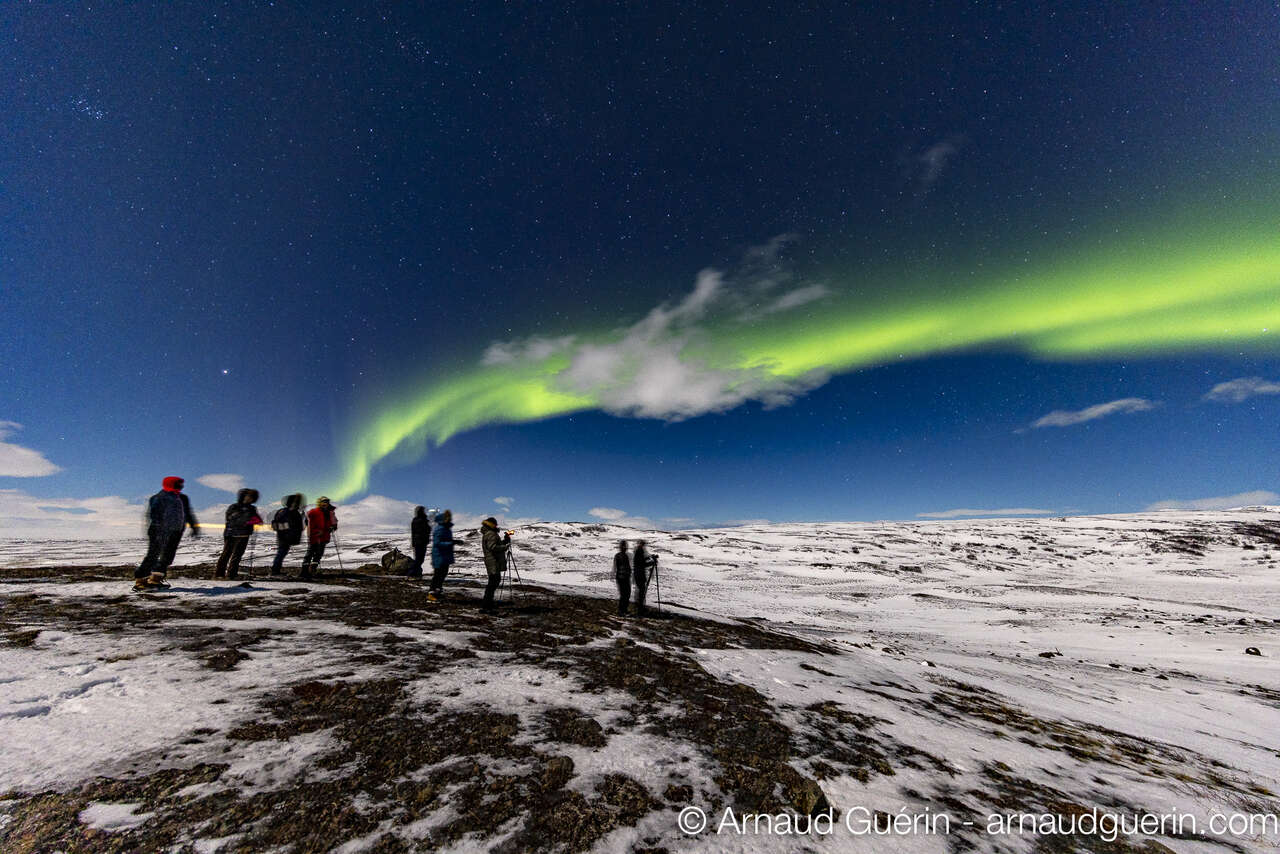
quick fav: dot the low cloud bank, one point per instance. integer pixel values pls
(961, 513)
(1221, 502)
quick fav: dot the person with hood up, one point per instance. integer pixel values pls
(622, 575)
(168, 512)
(495, 558)
(441, 553)
(287, 523)
(640, 575)
(321, 523)
(241, 517)
(420, 536)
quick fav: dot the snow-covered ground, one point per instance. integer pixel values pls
(1100, 656)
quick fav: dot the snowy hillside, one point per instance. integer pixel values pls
(966, 669)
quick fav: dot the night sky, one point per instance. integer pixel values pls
(646, 261)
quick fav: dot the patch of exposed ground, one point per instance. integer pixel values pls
(401, 762)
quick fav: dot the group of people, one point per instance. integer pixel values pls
(440, 540)
(633, 570)
(169, 514)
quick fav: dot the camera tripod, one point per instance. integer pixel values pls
(654, 578)
(513, 567)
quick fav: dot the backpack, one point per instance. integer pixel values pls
(281, 521)
(396, 562)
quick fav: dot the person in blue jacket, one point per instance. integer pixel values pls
(168, 513)
(441, 553)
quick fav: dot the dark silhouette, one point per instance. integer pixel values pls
(420, 536)
(495, 558)
(287, 523)
(241, 517)
(622, 574)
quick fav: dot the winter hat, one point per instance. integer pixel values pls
(173, 484)
(491, 522)
(444, 516)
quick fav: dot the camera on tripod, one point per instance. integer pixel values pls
(651, 575)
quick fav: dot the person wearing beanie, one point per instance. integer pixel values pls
(321, 523)
(495, 558)
(168, 512)
(241, 519)
(441, 553)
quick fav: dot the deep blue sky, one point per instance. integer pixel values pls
(227, 230)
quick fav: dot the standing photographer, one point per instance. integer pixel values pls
(495, 558)
(640, 564)
(622, 575)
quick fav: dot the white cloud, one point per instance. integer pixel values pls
(504, 501)
(659, 367)
(1222, 502)
(1067, 418)
(533, 349)
(1238, 391)
(614, 516)
(105, 517)
(376, 513)
(650, 371)
(609, 513)
(17, 461)
(962, 513)
(224, 482)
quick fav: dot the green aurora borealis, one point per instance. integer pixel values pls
(1212, 285)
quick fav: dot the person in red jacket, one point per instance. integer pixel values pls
(321, 523)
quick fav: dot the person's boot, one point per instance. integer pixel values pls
(140, 584)
(156, 581)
